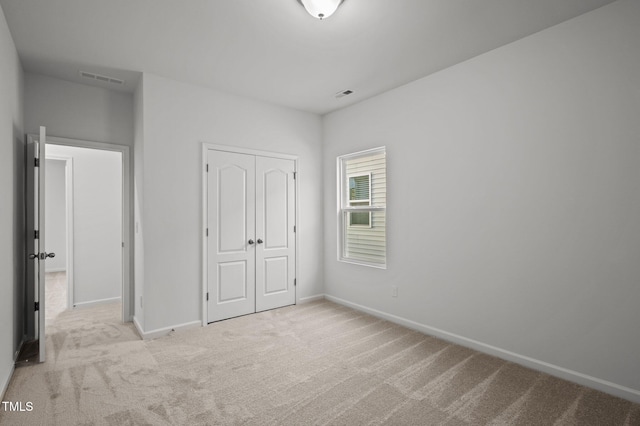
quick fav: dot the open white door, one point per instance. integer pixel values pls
(35, 187)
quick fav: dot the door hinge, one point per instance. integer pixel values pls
(36, 306)
(207, 232)
(36, 235)
(207, 168)
(294, 228)
(294, 175)
(295, 282)
(207, 296)
(37, 162)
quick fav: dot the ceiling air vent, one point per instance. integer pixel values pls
(343, 93)
(103, 78)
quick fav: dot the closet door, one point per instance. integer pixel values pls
(231, 248)
(275, 227)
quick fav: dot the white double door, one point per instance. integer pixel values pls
(251, 234)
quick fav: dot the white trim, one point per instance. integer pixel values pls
(138, 327)
(5, 385)
(82, 305)
(310, 299)
(161, 332)
(52, 270)
(205, 255)
(127, 213)
(205, 252)
(344, 205)
(249, 151)
(554, 370)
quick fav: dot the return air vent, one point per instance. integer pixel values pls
(103, 78)
(343, 93)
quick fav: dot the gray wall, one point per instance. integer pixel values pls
(12, 247)
(138, 185)
(523, 166)
(77, 111)
(55, 215)
(178, 117)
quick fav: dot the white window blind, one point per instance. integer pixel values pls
(362, 180)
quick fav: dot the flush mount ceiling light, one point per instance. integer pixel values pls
(321, 9)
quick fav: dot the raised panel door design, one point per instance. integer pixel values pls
(275, 257)
(231, 222)
(251, 234)
(232, 209)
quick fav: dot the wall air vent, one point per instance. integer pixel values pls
(103, 78)
(343, 93)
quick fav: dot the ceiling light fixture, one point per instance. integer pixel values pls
(320, 9)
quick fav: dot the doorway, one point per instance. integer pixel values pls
(84, 217)
(88, 291)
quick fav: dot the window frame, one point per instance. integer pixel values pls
(344, 207)
(352, 202)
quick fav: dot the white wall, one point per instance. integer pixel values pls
(12, 247)
(513, 198)
(97, 223)
(77, 111)
(55, 215)
(138, 201)
(177, 119)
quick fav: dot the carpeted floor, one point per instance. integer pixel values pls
(317, 363)
(56, 300)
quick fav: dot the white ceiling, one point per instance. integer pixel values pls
(272, 50)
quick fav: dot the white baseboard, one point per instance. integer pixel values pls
(553, 370)
(309, 299)
(55, 270)
(138, 327)
(160, 332)
(5, 384)
(81, 305)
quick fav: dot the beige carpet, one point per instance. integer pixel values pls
(56, 295)
(317, 363)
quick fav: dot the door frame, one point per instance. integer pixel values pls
(68, 188)
(127, 203)
(206, 147)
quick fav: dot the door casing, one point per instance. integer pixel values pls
(232, 149)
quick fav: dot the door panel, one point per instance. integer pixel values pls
(232, 208)
(41, 231)
(275, 221)
(232, 277)
(231, 224)
(275, 209)
(35, 187)
(276, 275)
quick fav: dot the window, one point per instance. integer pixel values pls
(362, 181)
(360, 195)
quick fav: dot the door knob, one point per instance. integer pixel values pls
(251, 242)
(260, 241)
(41, 256)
